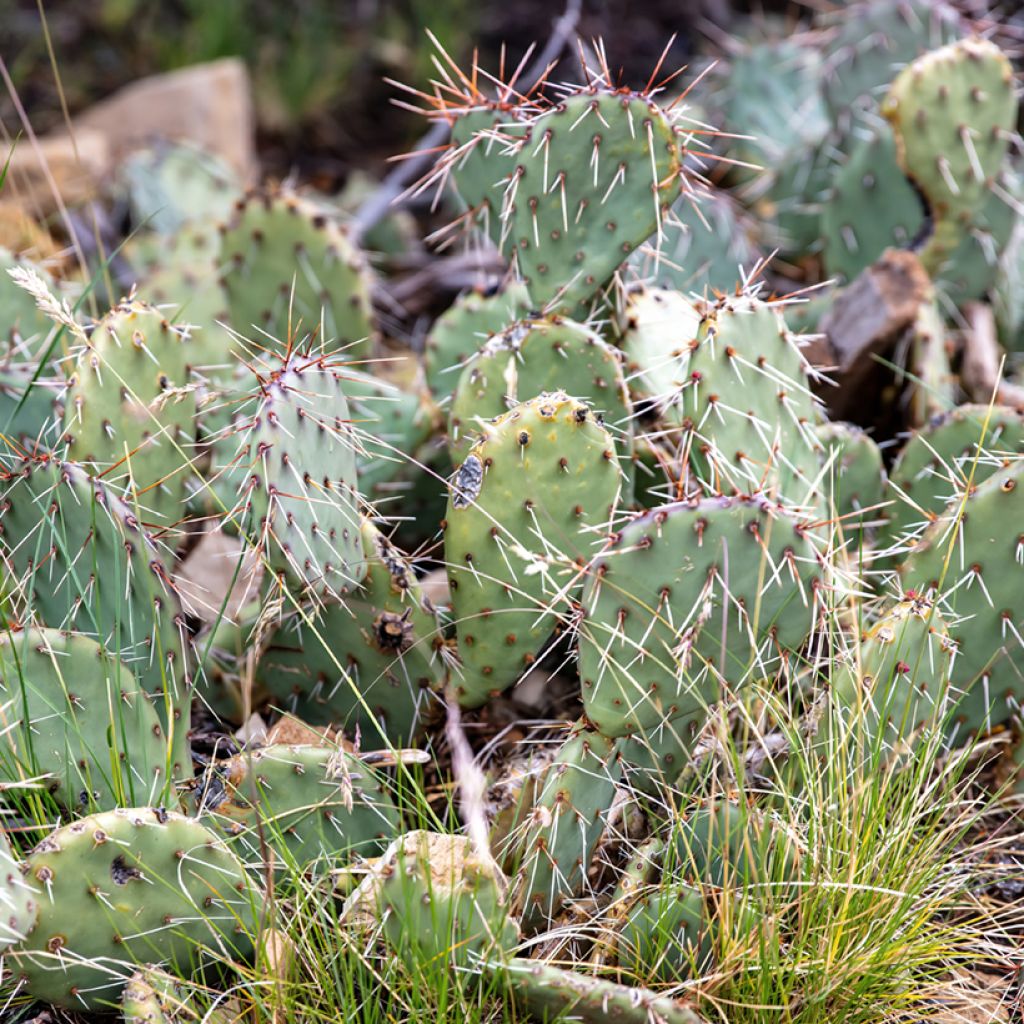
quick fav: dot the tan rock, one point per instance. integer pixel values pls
(209, 104)
(57, 165)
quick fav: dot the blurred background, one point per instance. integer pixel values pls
(319, 67)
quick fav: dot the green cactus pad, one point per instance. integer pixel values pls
(732, 580)
(724, 843)
(142, 885)
(309, 804)
(171, 185)
(870, 207)
(666, 935)
(480, 160)
(76, 714)
(707, 247)
(441, 899)
(27, 418)
(747, 407)
(953, 112)
(895, 680)
(151, 996)
(549, 992)
(128, 412)
(593, 178)
(873, 40)
(773, 105)
(25, 331)
(526, 509)
(76, 559)
(854, 482)
(368, 665)
(462, 328)
(274, 241)
(972, 442)
(973, 558)
(391, 424)
(532, 357)
(19, 901)
(295, 473)
(558, 840)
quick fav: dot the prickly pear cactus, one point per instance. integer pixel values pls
(746, 409)
(854, 482)
(895, 681)
(463, 328)
(142, 885)
(392, 423)
(658, 328)
(706, 246)
(725, 843)
(592, 179)
(935, 466)
(369, 665)
(559, 838)
(527, 507)
(666, 935)
(549, 991)
(953, 112)
(872, 41)
(19, 901)
(25, 331)
(870, 206)
(479, 159)
(173, 184)
(77, 715)
(295, 473)
(150, 997)
(76, 558)
(442, 899)
(290, 271)
(531, 357)
(685, 595)
(129, 413)
(308, 804)
(971, 560)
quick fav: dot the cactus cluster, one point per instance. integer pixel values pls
(619, 465)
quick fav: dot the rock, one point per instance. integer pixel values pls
(208, 104)
(57, 166)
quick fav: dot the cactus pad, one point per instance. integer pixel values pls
(140, 884)
(731, 580)
(76, 714)
(527, 507)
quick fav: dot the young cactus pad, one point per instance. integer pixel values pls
(526, 508)
(953, 112)
(895, 680)
(747, 409)
(730, 580)
(532, 357)
(143, 885)
(19, 901)
(558, 840)
(442, 899)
